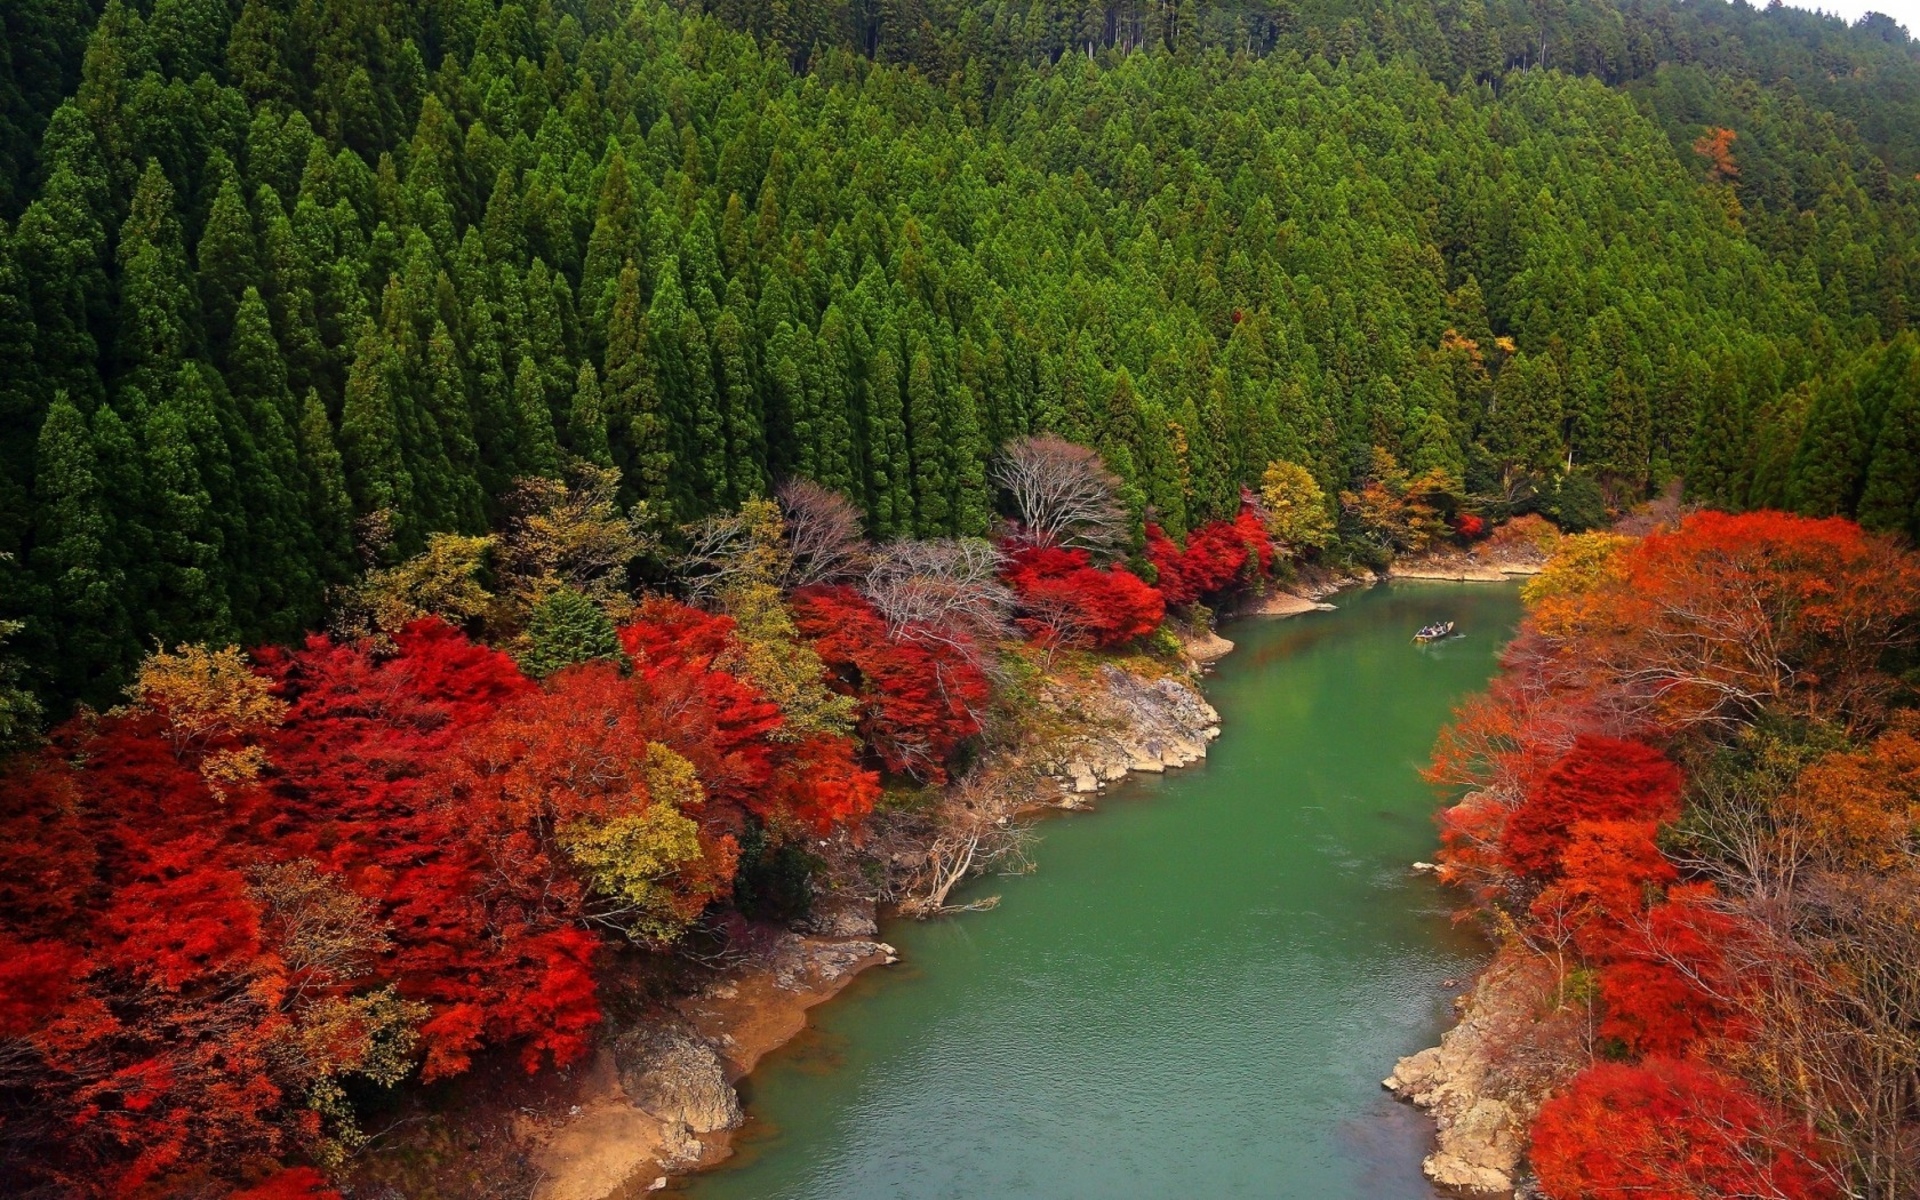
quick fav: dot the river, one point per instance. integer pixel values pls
(1199, 991)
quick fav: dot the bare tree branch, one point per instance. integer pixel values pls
(1064, 493)
(825, 535)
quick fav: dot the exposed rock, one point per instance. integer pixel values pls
(842, 917)
(800, 964)
(1483, 1082)
(676, 1078)
(1205, 646)
(1134, 724)
(1285, 604)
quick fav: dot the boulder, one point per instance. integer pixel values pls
(676, 1078)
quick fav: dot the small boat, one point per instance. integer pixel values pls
(1434, 632)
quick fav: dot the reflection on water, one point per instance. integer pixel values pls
(1199, 991)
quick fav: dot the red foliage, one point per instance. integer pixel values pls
(1711, 620)
(301, 1183)
(1600, 779)
(1065, 600)
(1667, 985)
(1217, 557)
(1702, 625)
(1469, 527)
(1670, 1130)
(920, 696)
(150, 986)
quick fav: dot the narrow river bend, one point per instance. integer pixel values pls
(1200, 990)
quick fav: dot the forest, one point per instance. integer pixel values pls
(480, 480)
(1691, 793)
(295, 286)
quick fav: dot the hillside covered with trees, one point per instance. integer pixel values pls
(291, 287)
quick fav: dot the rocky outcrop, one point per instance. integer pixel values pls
(676, 1078)
(802, 964)
(1131, 724)
(1485, 1080)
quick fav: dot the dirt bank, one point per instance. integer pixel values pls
(659, 1099)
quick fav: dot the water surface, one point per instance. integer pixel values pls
(1201, 988)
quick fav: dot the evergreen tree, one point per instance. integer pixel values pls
(1891, 499)
(539, 449)
(228, 260)
(587, 420)
(632, 397)
(189, 597)
(567, 628)
(329, 507)
(1831, 462)
(1717, 468)
(377, 475)
(86, 595)
(927, 439)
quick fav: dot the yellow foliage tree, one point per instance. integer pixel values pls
(1296, 507)
(630, 856)
(441, 581)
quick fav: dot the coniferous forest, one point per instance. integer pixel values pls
(271, 269)
(402, 344)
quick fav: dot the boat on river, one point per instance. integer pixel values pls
(1434, 632)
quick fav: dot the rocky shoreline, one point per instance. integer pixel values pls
(1488, 1076)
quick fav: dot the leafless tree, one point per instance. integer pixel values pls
(976, 828)
(945, 590)
(825, 536)
(1064, 494)
(719, 553)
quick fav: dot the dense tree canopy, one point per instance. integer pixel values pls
(293, 287)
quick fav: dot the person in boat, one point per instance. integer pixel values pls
(1434, 632)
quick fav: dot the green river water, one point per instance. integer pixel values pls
(1198, 992)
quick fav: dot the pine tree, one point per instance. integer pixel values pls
(156, 327)
(1523, 431)
(377, 475)
(567, 628)
(228, 261)
(1717, 472)
(1891, 499)
(889, 470)
(539, 450)
(587, 420)
(927, 441)
(632, 397)
(282, 547)
(446, 401)
(705, 431)
(329, 507)
(1831, 462)
(746, 444)
(71, 554)
(189, 600)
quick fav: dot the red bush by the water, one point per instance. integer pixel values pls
(920, 695)
(1065, 600)
(1218, 555)
(181, 961)
(1665, 1129)
(1600, 778)
(1469, 527)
